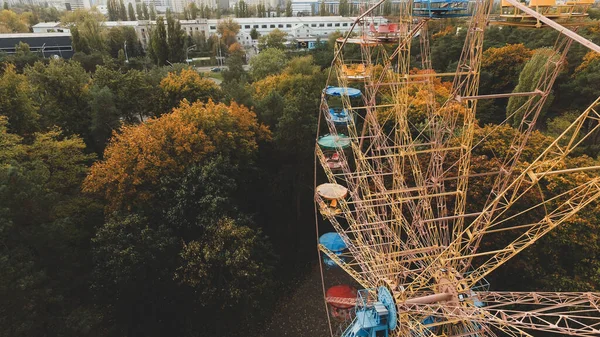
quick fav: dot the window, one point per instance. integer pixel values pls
(313, 24)
(345, 25)
(288, 26)
(329, 25)
(337, 24)
(142, 30)
(255, 26)
(196, 28)
(321, 25)
(213, 27)
(263, 26)
(247, 27)
(272, 26)
(279, 26)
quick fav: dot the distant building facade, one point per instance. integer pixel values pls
(47, 44)
(311, 27)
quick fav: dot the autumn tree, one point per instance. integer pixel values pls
(11, 22)
(504, 64)
(187, 85)
(16, 102)
(500, 70)
(140, 155)
(227, 30)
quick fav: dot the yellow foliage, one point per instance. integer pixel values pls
(588, 58)
(506, 55)
(188, 85)
(138, 156)
(447, 30)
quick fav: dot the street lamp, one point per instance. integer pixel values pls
(187, 59)
(125, 48)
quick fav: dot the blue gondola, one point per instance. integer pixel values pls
(340, 116)
(332, 241)
(441, 8)
(342, 91)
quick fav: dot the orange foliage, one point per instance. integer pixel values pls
(188, 85)
(588, 58)
(509, 54)
(140, 155)
(447, 30)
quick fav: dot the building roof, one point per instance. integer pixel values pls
(120, 23)
(32, 35)
(293, 19)
(46, 25)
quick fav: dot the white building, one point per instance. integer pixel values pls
(295, 27)
(50, 27)
(307, 26)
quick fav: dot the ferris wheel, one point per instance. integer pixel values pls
(401, 174)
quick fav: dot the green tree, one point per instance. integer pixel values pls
(193, 11)
(288, 8)
(44, 255)
(61, 91)
(152, 12)
(87, 27)
(175, 39)
(235, 66)
(322, 8)
(16, 102)
(131, 12)
(532, 72)
(138, 11)
(387, 8)
(5, 6)
(159, 48)
(122, 11)
(145, 11)
(105, 116)
(254, 34)
(113, 10)
(275, 39)
(343, 9)
(269, 61)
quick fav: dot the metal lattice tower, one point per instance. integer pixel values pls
(398, 159)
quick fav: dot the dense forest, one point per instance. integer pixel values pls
(138, 199)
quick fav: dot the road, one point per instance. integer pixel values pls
(207, 69)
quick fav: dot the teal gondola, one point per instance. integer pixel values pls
(441, 8)
(334, 142)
